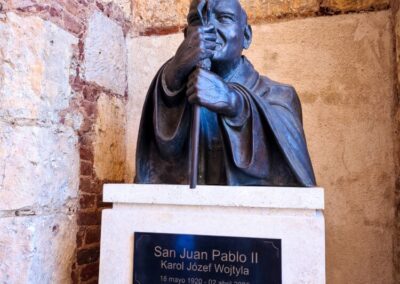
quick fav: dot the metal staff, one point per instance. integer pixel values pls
(203, 11)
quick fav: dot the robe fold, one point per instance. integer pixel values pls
(262, 145)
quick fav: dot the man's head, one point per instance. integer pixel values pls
(230, 21)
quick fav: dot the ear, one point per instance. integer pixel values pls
(248, 36)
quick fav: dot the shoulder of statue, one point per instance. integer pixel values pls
(280, 94)
(276, 89)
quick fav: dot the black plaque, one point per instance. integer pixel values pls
(190, 259)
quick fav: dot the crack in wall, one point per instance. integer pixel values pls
(41, 210)
(21, 122)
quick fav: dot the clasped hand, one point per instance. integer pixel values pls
(207, 89)
(204, 88)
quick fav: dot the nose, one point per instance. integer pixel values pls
(212, 20)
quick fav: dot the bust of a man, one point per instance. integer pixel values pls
(251, 130)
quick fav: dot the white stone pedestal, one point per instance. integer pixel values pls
(294, 215)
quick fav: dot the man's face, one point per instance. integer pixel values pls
(227, 18)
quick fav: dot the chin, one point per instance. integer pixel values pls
(220, 58)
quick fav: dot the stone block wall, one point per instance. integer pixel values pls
(63, 90)
(39, 160)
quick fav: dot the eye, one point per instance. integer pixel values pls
(226, 18)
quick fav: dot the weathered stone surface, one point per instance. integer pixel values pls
(342, 69)
(105, 54)
(38, 166)
(109, 145)
(38, 249)
(263, 10)
(124, 5)
(35, 57)
(354, 5)
(146, 14)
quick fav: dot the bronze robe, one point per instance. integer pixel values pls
(263, 145)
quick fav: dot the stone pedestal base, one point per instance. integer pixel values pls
(293, 215)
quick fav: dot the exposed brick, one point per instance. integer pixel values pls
(90, 271)
(91, 281)
(150, 31)
(89, 108)
(80, 236)
(81, 55)
(90, 93)
(92, 235)
(89, 218)
(72, 24)
(86, 256)
(100, 6)
(86, 125)
(86, 140)
(73, 7)
(90, 186)
(97, 186)
(86, 168)
(76, 82)
(86, 153)
(87, 201)
(85, 184)
(50, 10)
(54, 12)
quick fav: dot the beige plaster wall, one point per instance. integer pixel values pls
(342, 67)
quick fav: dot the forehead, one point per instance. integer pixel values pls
(232, 6)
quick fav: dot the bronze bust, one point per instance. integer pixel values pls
(250, 127)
